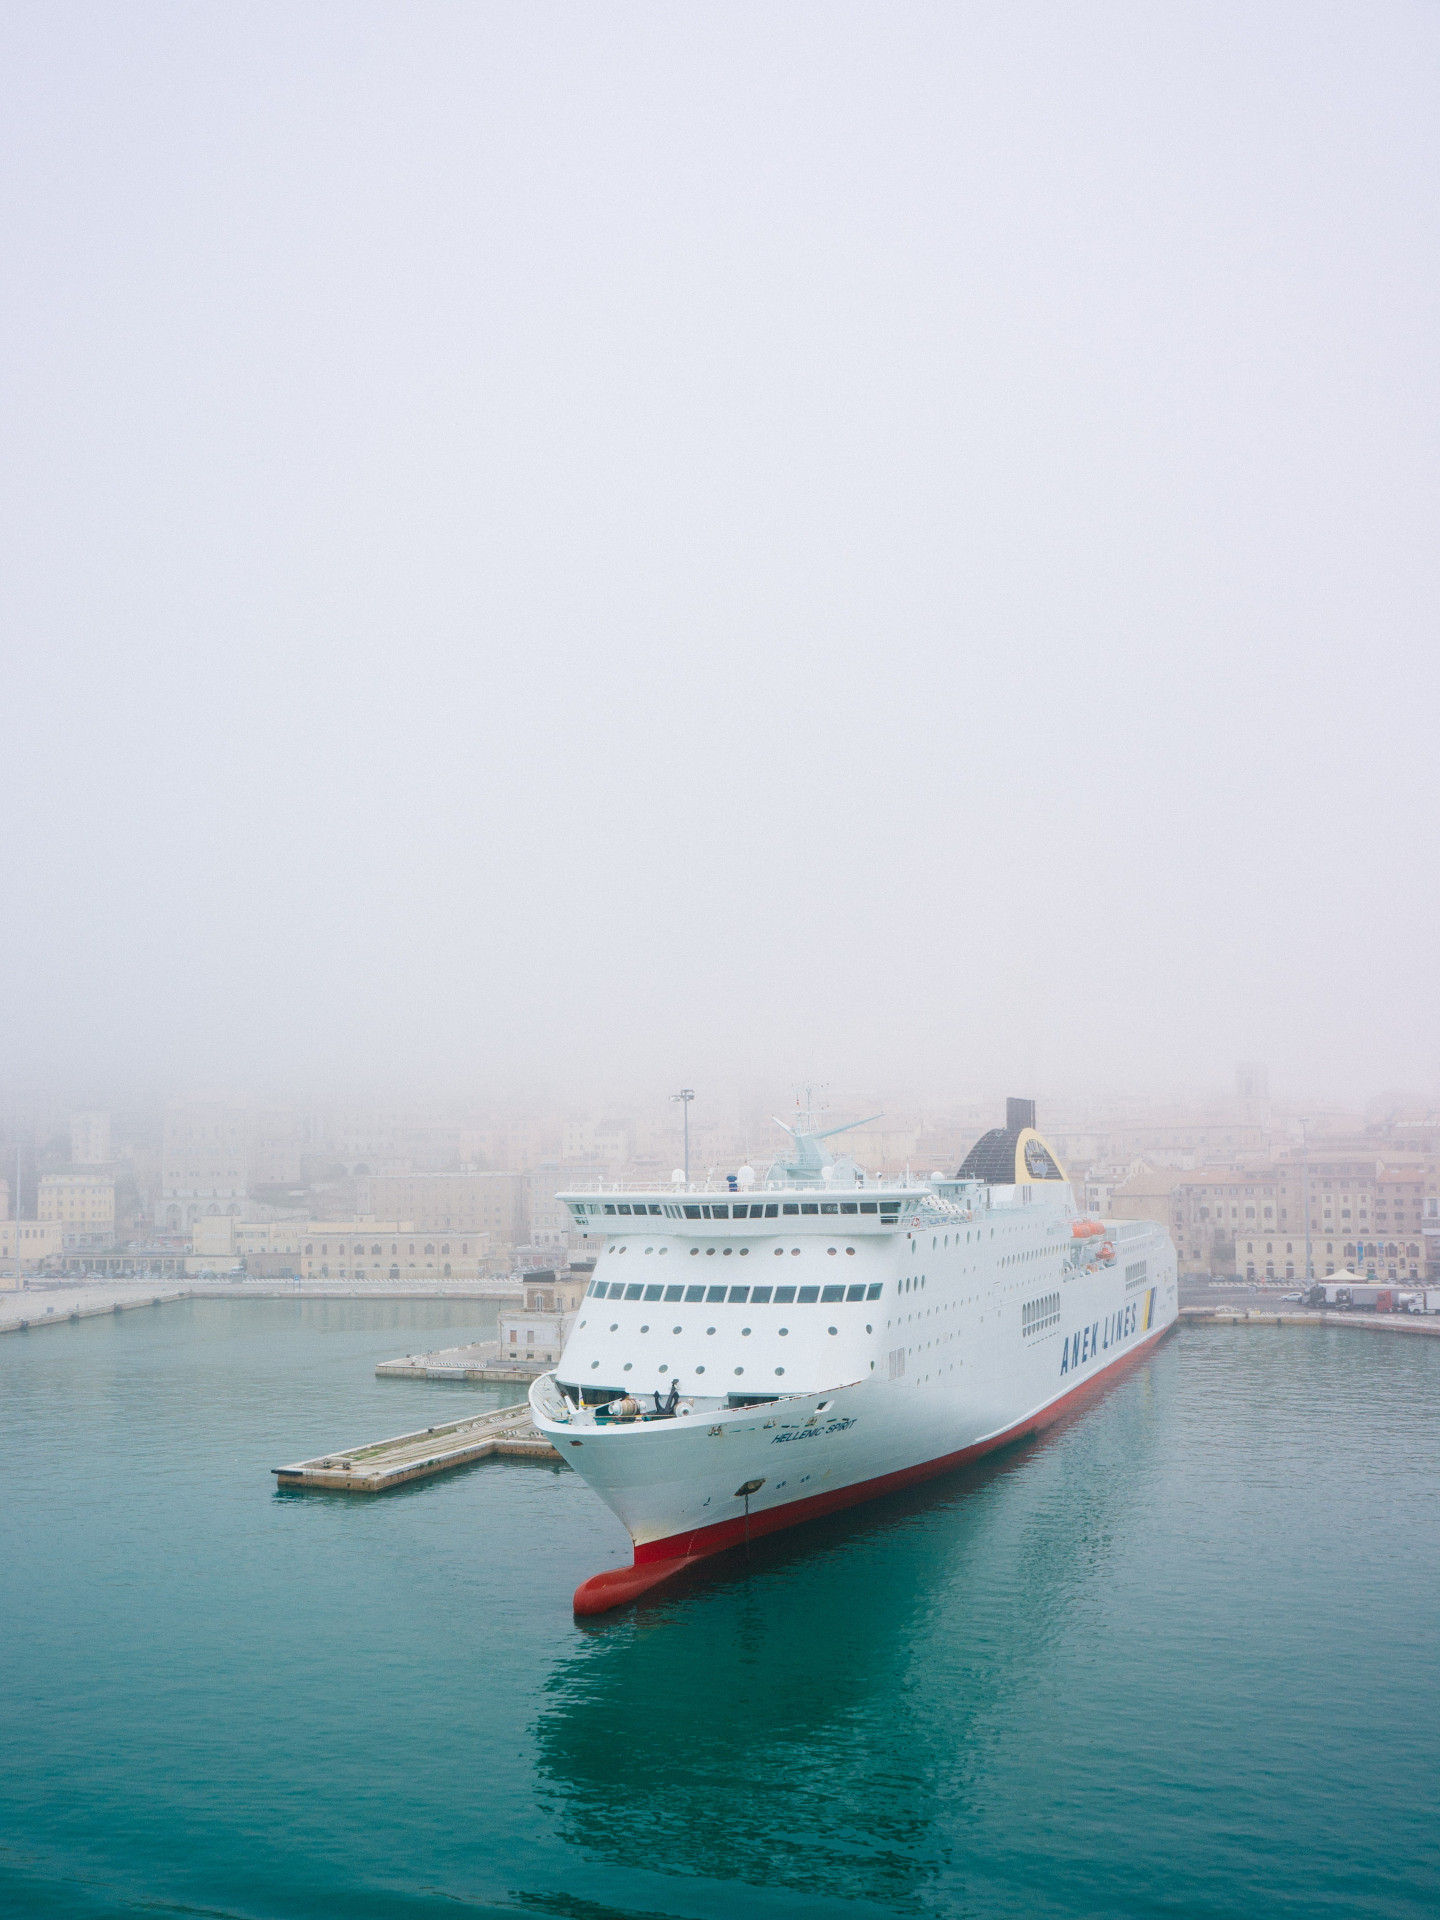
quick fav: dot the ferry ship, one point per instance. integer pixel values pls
(865, 1335)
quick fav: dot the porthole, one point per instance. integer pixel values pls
(664, 1249)
(644, 1329)
(582, 1323)
(849, 1249)
(779, 1252)
(593, 1365)
(743, 1252)
(694, 1250)
(834, 1329)
(829, 1249)
(614, 1326)
(727, 1251)
(739, 1369)
(784, 1331)
(709, 1250)
(663, 1367)
(699, 1369)
(709, 1329)
(649, 1249)
(743, 1332)
(628, 1365)
(675, 1329)
(781, 1369)
(868, 1327)
(794, 1249)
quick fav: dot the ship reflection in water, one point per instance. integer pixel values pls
(823, 1723)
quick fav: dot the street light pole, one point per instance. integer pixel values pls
(685, 1096)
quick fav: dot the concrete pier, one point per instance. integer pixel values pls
(1315, 1317)
(381, 1464)
(483, 1361)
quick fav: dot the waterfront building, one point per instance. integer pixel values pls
(40, 1243)
(83, 1206)
(361, 1249)
(538, 1329)
(493, 1203)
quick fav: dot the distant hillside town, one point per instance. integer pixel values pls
(1249, 1189)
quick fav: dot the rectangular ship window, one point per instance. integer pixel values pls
(674, 1293)
(713, 1212)
(790, 1207)
(716, 1293)
(631, 1293)
(771, 1210)
(833, 1293)
(784, 1295)
(857, 1292)
(691, 1213)
(692, 1294)
(624, 1207)
(808, 1206)
(609, 1207)
(653, 1293)
(867, 1206)
(847, 1206)
(829, 1206)
(600, 1289)
(807, 1295)
(872, 1292)
(739, 1295)
(759, 1296)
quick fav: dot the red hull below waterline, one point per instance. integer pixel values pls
(659, 1561)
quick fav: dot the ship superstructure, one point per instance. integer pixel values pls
(757, 1354)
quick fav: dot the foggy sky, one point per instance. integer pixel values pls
(617, 546)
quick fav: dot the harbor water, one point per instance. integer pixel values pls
(1179, 1657)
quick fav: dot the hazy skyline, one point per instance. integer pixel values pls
(607, 548)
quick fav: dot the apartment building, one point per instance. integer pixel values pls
(1251, 1221)
(493, 1203)
(205, 1164)
(369, 1250)
(82, 1205)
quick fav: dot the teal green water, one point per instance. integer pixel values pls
(1179, 1658)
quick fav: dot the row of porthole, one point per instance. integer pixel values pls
(664, 1365)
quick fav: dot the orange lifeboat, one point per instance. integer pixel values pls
(1084, 1229)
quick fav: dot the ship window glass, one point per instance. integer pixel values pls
(790, 1206)
(631, 1293)
(759, 1296)
(771, 1211)
(609, 1208)
(856, 1292)
(716, 1293)
(809, 1206)
(872, 1292)
(717, 1213)
(674, 1293)
(654, 1209)
(691, 1213)
(808, 1295)
(784, 1295)
(833, 1293)
(847, 1206)
(867, 1206)
(779, 1251)
(739, 1295)
(692, 1294)
(653, 1293)
(829, 1206)
(601, 1289)
(623, 1207)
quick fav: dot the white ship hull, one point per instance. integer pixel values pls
(959, 1318)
